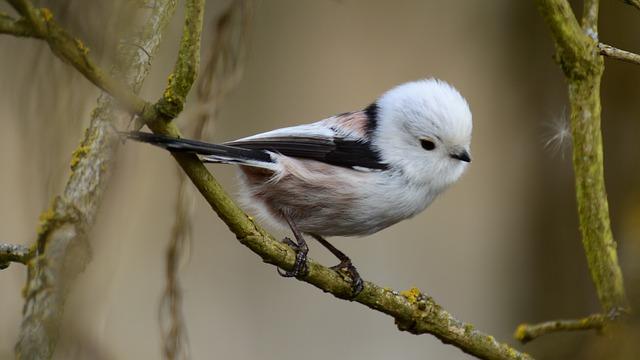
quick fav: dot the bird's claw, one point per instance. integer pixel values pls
(357, 284)
(300, 265)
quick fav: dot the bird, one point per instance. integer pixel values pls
(352, 174)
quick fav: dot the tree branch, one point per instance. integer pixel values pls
(186, 68)
(62, 250)
(571, 43)
(527, 332)
(618, 54)
(579, 56)
(9, 25)
(26, 9)
(14, 253)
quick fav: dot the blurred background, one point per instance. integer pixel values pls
(499, 248)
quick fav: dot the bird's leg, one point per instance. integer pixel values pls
(345, 264)
(301, 249)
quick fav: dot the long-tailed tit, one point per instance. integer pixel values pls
(351, 174)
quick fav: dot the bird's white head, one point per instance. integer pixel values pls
(423, 129)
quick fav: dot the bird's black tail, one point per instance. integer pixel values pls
(211, 152)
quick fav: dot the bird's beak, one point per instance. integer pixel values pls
(462, 156)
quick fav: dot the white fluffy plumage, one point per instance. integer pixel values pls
(330, 200)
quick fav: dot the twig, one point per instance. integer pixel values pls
(14, 253)
(62, 250)
(579, 57)
(26, 9)
(417, 314)
(527, 332)
(175, 342)
(186, 67)
(618, 54)
(9, 25)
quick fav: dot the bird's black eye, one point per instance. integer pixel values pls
(427, 144)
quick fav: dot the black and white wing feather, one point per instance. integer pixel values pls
(342, 140)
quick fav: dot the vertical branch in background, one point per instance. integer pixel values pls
(580, 59)
(175, 342)
(221, 73)
(62, 248)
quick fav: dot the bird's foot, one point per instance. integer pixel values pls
(357, 284)
(300, 265)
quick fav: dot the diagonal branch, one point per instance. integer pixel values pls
(62, 249)
(74, 51)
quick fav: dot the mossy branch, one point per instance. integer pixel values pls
(14, 253)
(185, 70)
(9, 25)
(72, 50)
(411, 310)
(62, 249)
(527, 332)
(579, 56)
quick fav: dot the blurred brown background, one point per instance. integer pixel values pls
(499, 248)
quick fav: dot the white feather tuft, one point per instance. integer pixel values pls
(558, 137)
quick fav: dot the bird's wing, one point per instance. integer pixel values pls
(343, 140)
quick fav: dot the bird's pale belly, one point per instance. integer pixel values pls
(325, 209)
